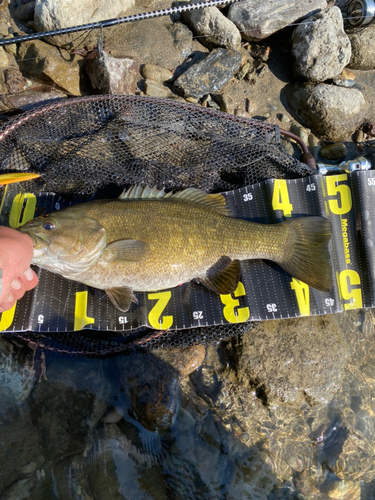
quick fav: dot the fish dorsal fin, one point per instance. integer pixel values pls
(137, 192)
(192, 195)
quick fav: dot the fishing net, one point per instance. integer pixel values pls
(97, 146)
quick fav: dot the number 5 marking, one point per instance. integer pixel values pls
(341, 192)
(154, 315)
(240, 315)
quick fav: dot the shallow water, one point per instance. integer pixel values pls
(151, 426)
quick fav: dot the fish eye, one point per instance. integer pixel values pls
(49, 225)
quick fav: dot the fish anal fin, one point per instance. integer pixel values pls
(121, 297)
(223, 277)
(126, 250)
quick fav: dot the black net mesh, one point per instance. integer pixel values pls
(99, 145)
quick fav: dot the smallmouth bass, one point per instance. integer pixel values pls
(147, 240)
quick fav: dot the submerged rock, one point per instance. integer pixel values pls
(320, 46)
(333, 113)
(210, 74)
(257, 19)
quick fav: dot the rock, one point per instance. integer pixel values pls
(296, 129)
(155, 89)
(335, 151)
(283, 118)
(257, 19)
(29, 99)
(213, 28)
(14, 80)
(210, 74)
(47, 63)
(184, 361)
(171, 43)
(320, 46)
(363, 49)
(332, 113)
(109, 75)
(156, 73)
(55, 14)
(290, 365)
(358, 136)
(4, 61)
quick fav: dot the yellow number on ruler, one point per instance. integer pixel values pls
(23, 209)
(154, 316)
(280, 198)
(348, 279)
(80, 312)
(230, 314)
(7, 318)
(302, 295)
(341, 192)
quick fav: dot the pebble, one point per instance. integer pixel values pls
(358, 136)
(336, 151)
(283, 118)
(155, 89)
(156, 73)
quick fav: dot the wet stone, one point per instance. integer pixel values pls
(210, 74)
(335, 151)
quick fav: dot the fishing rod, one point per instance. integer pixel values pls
(120, 20)
(360, 13)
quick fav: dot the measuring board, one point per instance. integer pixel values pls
(264, 292)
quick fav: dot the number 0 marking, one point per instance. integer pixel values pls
(154, 316)
(231, 314)
(22, 210)
(7, 318)
(80, 312)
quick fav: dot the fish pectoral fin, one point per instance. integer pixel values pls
(121, 297)
(223, 277)
(128, 250)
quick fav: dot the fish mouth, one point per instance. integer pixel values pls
(39, 242)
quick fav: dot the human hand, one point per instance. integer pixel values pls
(16, 252)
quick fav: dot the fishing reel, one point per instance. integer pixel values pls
(366, 162)
(361, 12)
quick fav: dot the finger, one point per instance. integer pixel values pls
(8, 303)
(17, 289)
(29, 279)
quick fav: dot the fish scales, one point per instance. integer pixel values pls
(148, 240)
(185, 240)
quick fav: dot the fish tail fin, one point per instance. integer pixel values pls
(307, 257)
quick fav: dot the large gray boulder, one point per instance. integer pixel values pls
(320, 46)
(363, 49)
(213, 28)
(257, 19)
(332, 113)
(56, 14)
